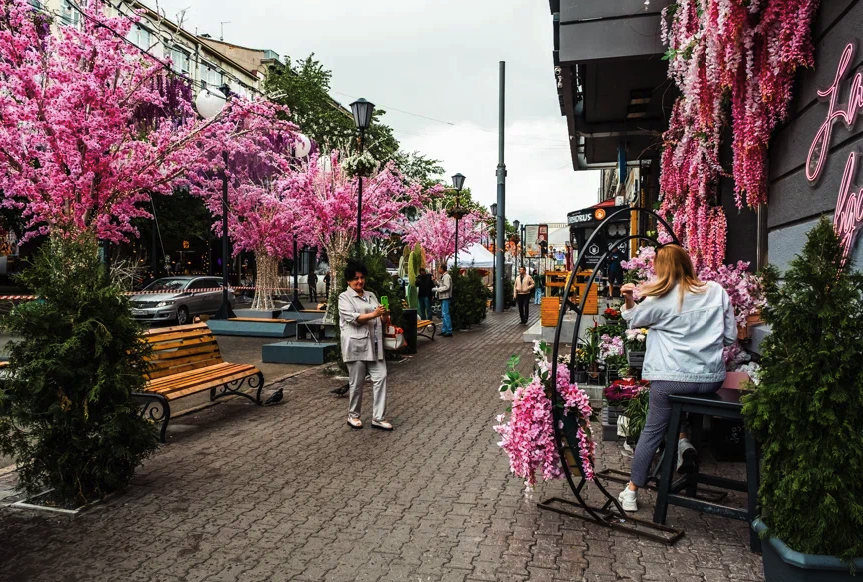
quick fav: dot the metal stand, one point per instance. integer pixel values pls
(610, 514)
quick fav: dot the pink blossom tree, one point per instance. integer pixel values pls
(78, 157)
(252, 144)
(326, 198)
(435, 231)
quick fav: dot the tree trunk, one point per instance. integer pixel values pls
(266, 282)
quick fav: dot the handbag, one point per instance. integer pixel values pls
(394, 338)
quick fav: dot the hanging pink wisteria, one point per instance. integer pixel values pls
(726, 56)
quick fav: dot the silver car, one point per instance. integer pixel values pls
(179, 299)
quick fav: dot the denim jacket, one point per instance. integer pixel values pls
(685, 344)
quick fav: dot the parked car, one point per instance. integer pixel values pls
(179, 299)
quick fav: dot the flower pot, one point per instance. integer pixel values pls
(580, 377)
(782, 564)
(635, 359)
(611, 376)
(610, 412)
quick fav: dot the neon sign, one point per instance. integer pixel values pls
(848, 216)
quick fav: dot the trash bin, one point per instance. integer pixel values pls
(409, 325)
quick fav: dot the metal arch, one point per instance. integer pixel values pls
(611, 514)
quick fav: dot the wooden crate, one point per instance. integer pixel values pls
(591, 306)
(549, 311)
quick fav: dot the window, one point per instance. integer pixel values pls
(180, 60)
(69, 14)
(141, 37)
(211, 75)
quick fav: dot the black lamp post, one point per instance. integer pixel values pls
(516, 224)
(362, 111)
(521, 236)
(458, 211)
(209, 104)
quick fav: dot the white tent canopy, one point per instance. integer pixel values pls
(558, 238)
(475, 256)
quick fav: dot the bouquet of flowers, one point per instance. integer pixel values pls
(527, 435)
(743, 288)
(636, 339)
(610, 346)
(621, 391)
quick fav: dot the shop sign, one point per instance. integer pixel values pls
(848, 216)
(580, 217)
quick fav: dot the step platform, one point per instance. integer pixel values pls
(297, 353)
(253, 327)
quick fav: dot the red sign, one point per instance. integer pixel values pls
(848, 216)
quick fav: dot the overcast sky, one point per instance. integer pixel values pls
(437, 59)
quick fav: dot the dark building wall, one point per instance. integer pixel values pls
(795, 204)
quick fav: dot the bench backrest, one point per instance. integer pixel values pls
(181, 348)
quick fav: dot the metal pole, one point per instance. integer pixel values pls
(296, 301)
(456, 234)
(501, 195)
(225, 311)
(521, 237)
(154, 250)
(360, 199)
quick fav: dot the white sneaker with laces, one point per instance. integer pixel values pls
(627, 499)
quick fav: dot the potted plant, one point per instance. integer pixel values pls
(636, 413)
(636, 344)
(592, 349)
(806, 414)
(616, 397)
(612, 314)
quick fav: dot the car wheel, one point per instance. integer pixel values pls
(182, 316)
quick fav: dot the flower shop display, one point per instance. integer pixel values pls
(806, 415)
(731, 61)
(612, 355)
(527, 435)
(636, 413)
(612, 314)
(635, 341)
(615, 400)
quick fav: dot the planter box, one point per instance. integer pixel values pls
(611, 412)
(609, 432)
(635, 359)
(782, 564)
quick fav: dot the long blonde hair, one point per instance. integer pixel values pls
(673, 268)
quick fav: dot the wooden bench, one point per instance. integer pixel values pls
(423, 327)
(186, 360)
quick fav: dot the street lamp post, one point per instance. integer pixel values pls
(523, 231)
(493, 252)
(458, 184)
(516, 224)
(362, 111)
(209, 103)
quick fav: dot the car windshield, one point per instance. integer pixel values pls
(167, 285)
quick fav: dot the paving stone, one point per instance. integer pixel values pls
(290, 493)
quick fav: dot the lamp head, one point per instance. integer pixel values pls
(458, 182)
(362, 111)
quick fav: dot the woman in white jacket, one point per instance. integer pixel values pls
(690, 323)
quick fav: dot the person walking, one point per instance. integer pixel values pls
(313, 286)
(521, 292)
(539, 284)
(425, 294)
(362, 338)
(444, 292)
(327, 284)
(615, 270)
(689, 323)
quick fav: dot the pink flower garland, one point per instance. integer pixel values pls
(725, 50)
(528, 435)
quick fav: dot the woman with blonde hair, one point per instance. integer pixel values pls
(689, 323)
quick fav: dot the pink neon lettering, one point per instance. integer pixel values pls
(849, 207)
(848, 216)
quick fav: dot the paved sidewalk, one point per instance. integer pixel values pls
(290, 492)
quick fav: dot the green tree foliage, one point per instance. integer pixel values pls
(304, 86)
(806, 412)
(469, 304)
(69, 420)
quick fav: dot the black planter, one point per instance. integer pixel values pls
(635, 359)
(579, 377)
(782, 564)
(610, 412)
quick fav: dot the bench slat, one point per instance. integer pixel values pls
(186, 341)
(183, 351)
(180, 374)
(195, 378)
(185, 364)
(173, 395)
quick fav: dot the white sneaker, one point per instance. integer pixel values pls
(627, 499)
(687, 458)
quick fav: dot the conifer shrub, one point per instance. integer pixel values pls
(469, 305)
(68, 418)
(807, 411)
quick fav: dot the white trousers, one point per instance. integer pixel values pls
(377, 369)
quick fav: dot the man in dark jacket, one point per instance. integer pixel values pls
(313, 286)
(425, 293)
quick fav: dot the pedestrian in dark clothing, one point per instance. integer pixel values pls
(313, 286)
(327, 284)
(425, 294)
(522, 288)
(615, 270)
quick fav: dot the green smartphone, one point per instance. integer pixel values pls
(385, 301)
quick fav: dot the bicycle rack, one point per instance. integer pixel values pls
(610, 514)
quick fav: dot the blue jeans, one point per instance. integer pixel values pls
(537, 300)
(425, 308)
(444, 314)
